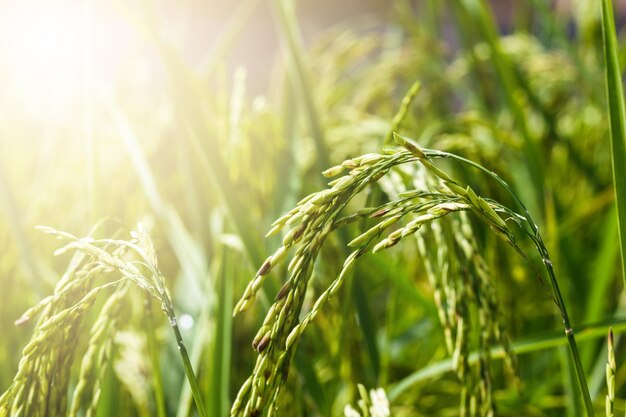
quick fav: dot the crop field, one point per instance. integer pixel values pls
(281, 208)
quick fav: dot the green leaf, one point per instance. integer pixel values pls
(617, 117)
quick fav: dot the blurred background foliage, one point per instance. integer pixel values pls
(205, 121)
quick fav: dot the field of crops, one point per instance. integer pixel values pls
(412, 208)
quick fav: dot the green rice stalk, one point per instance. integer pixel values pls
(48, 355)
(531, 229)
(44, 368)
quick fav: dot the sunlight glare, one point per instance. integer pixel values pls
(44, 51)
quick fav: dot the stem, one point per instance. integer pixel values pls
(545, 257)
(191, 377)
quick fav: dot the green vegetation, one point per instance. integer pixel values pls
(464, 258)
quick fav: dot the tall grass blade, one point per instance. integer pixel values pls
(298, 71)
(603, 270)
(222, 350)
(617, 117)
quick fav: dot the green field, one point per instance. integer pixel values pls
(417, 211)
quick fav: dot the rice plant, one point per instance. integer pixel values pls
(443, 216)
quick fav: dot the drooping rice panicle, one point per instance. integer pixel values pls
(462, 286)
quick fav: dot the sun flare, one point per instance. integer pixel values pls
(50, 51)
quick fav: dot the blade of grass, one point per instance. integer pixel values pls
(603, 270)
(568, 373)
(223, 339)
(478, 92)
(617, 117)
(288, 182)
(287, 23)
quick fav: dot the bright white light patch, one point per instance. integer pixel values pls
(186, 321)
(42, 47)
(42, 39)
(51, 50)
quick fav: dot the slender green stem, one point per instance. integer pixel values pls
(191, 376)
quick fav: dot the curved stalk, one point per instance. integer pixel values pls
(191, 376)
(545, 257)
